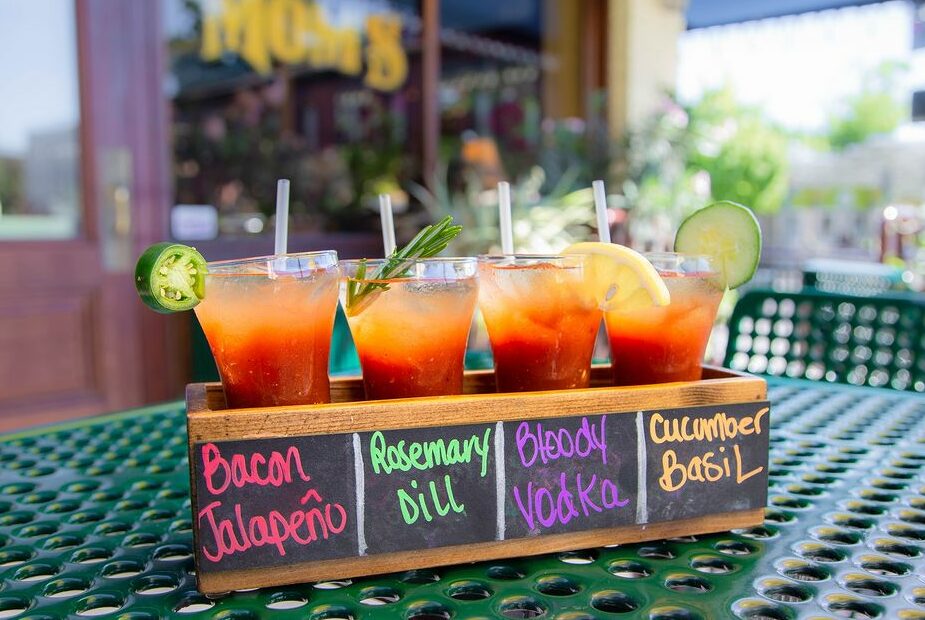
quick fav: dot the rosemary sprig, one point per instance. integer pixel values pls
(429, 242)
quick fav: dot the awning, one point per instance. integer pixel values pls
(706, 13)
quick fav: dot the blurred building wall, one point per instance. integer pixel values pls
(642, 57)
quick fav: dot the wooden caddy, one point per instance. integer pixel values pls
(348, 414)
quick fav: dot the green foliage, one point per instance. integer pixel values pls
(545, 221)
(868, 114)
(745, 156)
(574, 148)
(867, 197)
(663, 169)
(653, 167)
(12, 196)
(472, 208)
(679, 159)
(816, 197)
(873, 111)
(232, 157)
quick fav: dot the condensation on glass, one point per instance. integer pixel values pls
(40, 112)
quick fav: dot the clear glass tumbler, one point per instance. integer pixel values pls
(664, 344)
(268, 321)
(411, 328)
(541, 318)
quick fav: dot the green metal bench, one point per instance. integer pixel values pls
(852, 277)
(874, 341)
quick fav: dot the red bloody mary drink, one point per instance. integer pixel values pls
(664, 344)
(542, 321)
(411, 330)
(268, 321)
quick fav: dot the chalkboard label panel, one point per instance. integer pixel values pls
(569, 474)
(264, 503)
(273, 502)
(429, 487)
(701, 460)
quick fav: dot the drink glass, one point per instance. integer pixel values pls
(542, 320)
(268, 321)
(411, 336)
(664, 344)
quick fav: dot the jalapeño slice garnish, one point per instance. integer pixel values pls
(170, 277)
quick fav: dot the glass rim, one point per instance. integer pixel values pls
(433, 259)
(673, 261)
(441, 263)
(667, 254)
(499, 257)
(255, 260)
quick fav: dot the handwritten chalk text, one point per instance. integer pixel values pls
(720, 426)
(220, 472)
(424, 455)
(237, 534)
(702, 468)
(413, 508)
(534, 442)
(547, 507)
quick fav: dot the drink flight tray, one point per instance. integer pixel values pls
(292, 494)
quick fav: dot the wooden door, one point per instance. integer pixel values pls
(74, 340)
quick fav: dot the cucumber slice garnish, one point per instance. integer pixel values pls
(729, 233)
(170, 277)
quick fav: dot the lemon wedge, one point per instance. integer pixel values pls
(621, 278)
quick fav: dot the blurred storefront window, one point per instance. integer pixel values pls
(352, 98)
(516, 77)
(39, 121)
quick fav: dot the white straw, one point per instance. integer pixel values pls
(282, 215)
(388, 225)
(600, 205)
(505, 222)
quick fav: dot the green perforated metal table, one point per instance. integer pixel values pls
(95, 521)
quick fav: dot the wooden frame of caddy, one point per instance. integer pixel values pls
(719, 390)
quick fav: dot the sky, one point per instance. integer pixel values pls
(798, 68)
(38, 69)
